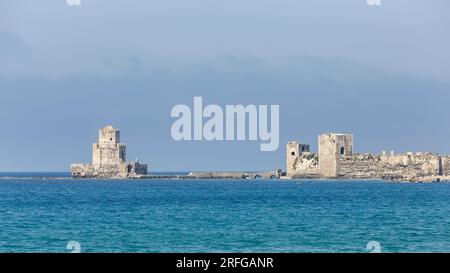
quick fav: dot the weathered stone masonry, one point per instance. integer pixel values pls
(336, 159)
(109, 159)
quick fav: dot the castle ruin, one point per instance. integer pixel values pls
(109, 159)
(336, 160)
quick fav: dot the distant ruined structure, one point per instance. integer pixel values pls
(109, 159)
(336, 160)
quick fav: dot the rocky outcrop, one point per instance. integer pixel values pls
(124, 170)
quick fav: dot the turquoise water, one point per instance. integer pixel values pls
(43, 215)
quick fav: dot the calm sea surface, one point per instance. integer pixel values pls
(43, 215)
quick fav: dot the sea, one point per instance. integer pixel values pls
(51, 213)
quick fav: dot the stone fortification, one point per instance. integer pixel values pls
(336, 160)
(109, 159)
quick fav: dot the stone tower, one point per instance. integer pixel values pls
(109, 159)
(294, 150)
(108, 150)
(331, 148)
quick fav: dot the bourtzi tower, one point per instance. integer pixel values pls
(109, 159)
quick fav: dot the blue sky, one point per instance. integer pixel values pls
(381, 73)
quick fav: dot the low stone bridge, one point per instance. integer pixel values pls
(236, 175)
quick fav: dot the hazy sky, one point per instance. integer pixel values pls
(381, 73)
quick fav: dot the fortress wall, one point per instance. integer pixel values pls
(306, 166)
(362, 166)
(403, 166)
(413, 164)
(99, 171)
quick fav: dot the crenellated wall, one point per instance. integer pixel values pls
(410, 167)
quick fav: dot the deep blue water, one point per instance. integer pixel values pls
(43, 215)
